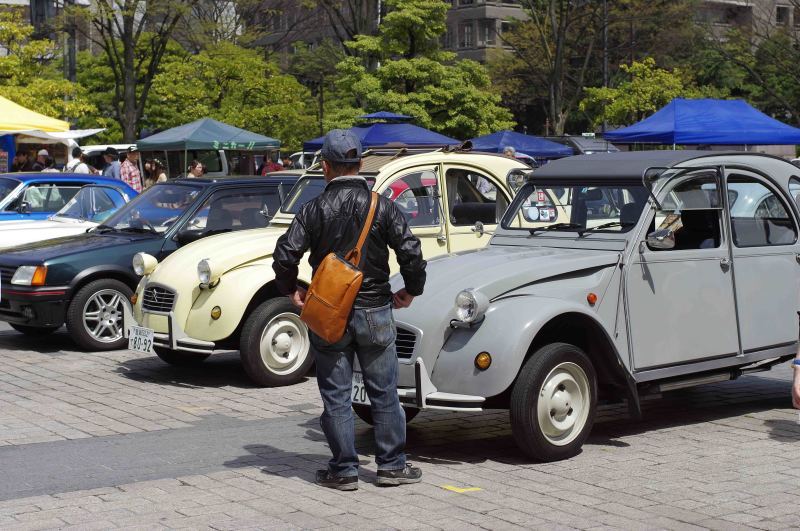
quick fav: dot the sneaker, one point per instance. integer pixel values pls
(326, 479)
(403, 476)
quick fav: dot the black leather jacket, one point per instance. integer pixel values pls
(332, 223)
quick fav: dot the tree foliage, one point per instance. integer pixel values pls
(414, 76)
(647, 89)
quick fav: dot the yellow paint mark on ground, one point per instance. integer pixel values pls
(461, 490)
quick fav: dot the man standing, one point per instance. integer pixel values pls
(22, 162)
(129, 170)
(112, 164)
(332, 223)
(41, 160)
(77, 165)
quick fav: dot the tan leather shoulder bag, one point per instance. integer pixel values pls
(333, 289)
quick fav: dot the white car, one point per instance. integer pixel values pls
(89, 207)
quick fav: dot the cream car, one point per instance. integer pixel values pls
(218, 294)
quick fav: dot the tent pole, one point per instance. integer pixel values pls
(673, 146)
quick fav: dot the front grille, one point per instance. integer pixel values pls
(158, 299)
(405, 342)
(6, 273)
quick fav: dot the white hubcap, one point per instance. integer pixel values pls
(284, 343)
(102, 315)
(563, 405)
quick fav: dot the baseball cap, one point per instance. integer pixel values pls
(339, 145)
(133, 149)
(110, 151)
(43, 153)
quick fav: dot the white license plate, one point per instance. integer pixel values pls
(359, 391)
(141, 339)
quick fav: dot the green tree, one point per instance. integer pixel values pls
(647, 90)
(29, 74)
(234, 85)
(414, 76)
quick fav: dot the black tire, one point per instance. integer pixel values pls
(108, 338)
(552, 434)
(288, 357)
(34, 330)
(364, 412)
(179, 359)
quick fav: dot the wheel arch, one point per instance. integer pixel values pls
(103, 272)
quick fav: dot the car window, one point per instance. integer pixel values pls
(45, 197)
(92, 204)
(759, 217)
(6, 185)
(417, 197)
(794, 190)
(473, 197)
(231, 210)
(306, 189)
(692, 210)
(156, 209)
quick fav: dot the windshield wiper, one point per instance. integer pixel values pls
(140, 230)
(105, 228)
(606, 226)
(556, 226)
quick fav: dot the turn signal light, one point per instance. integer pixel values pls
(39, 275)
(134, 298)
(216, 312)
(483, 361)
(591, 299)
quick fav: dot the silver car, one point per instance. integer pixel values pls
(611, 276)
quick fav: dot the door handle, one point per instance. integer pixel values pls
(797, 257)
(725, 264)
(441, 238)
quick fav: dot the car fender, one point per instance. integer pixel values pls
(507, 332)
(233, 294)
(118, 272)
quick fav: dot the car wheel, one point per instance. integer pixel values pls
(34, 330)
(364, 412)
(94, 316)
(553, 402)
(181, 359)
(275, 347)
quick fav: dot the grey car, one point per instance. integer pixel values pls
(612, 276)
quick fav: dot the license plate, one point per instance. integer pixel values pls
(141, 339)
(359, 392)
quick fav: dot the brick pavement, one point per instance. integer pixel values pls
(714, 457)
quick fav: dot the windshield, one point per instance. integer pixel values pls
(576, 208)
(307, 189)
(6, 185)
(155, 210)
(92, 203)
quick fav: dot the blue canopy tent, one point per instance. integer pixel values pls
(530, 145)
(707, 121)
(381, 134)
(386, 115)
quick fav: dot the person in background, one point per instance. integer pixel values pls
(154, 172)
(269, 166)
(129, 170)
(287, 162)
(111, 170)
(41, 160)
(22, 162)
(77, 164)
(50, 165)
(510, 152)
(196, 169)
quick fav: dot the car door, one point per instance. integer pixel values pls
(680, 300)
(765, 261)
(416, 192)
(41, 199)
(472, 197)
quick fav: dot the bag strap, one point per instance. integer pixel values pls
(354, 256)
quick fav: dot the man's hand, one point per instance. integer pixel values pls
(401, 299)
(298, 298)
(796, 389)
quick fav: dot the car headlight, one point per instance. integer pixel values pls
(144, 264)
(205, 272)
(470, 305)
(29, 275)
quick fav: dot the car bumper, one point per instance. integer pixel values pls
(175, 338)
(45, 307)
(424, 394)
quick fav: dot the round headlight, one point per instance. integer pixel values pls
(143, 263)
(470, 305)
(204, 271)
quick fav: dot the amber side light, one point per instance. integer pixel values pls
(39, 276)
(591, 299)
(483, 361)
(134, 298)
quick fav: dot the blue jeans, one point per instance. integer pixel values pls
(370, 335)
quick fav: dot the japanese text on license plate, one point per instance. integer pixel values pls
(141, 339)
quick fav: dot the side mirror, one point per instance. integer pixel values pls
(186, 236)
(24, 208)
(661, 240)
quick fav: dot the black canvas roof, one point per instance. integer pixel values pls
(622, 164)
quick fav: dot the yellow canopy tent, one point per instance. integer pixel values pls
(16, 118)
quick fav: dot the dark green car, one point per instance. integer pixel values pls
(84, 281)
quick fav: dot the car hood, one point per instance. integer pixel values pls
(16, 233)
(498, 270)
(42, 251)
(224, 251)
